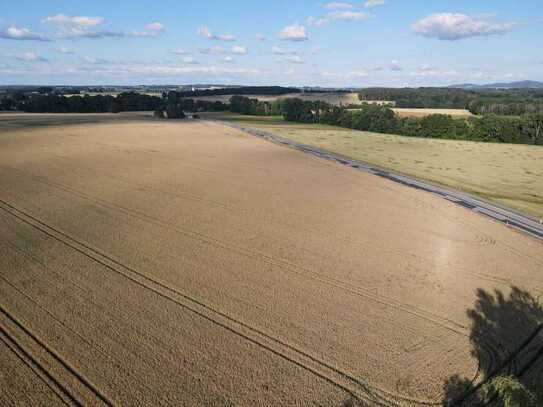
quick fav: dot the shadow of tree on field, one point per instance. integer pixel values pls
(507, 340)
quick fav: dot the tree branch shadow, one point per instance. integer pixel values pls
(507, 340)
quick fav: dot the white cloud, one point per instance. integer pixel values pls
(126, 70)
(338, 15)
(294, 32)
(82, 21)
(337, 5)
(239, 50)
(317, 22)
(228, 59)
(347, 15)
(20, 33)
(212, 50)
(31, 57)
(395, 66)
(64, 50)
(179, 51)
(429, 71)
(189, 60)
(156, 26)
(80, 27)
(160, 70)
(294, 59)
(204, 32)
(278, 51)
(151, 30)
(345, 75)
(260, 37)
(373, 3)
(452, 27)
(96, 61)
(282, 51)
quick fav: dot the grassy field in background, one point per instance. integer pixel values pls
(404, 112)
(508, 174)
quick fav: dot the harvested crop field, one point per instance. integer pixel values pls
(187, 263)
(334, 98)
(405, 112)
(508, 174)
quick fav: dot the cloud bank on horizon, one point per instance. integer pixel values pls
(336, 43)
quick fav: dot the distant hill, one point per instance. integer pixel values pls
(510, 85)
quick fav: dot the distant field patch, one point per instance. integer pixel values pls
(404, 112)
(334, 98)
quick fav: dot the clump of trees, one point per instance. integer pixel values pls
(245, 105)
(191, 105)
(175, 106)
(525, 129)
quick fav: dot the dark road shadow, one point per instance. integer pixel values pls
(507, 340)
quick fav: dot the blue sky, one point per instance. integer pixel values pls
(296, 42)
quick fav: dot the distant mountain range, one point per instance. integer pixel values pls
(510, 85)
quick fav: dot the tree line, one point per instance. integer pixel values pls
(521, 129)
(124, 102)
(525, 129)
(510, 102)
(56, 103)
(242, 90)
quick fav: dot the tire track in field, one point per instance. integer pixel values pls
(55, 356)
(31, 363)
(282, 141)
(119, 363)
(282, 264)
(332, 374)
(148, 218)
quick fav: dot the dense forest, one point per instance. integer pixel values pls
(511, 102)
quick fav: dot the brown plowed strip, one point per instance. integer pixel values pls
(188, 263)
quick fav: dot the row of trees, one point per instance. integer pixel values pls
(525, 129)
(55, 103)
(124, 102)
(512, 102)
(245, 90)
(174, 106)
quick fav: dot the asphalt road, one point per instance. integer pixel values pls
(506, 216)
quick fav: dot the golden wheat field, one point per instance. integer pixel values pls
(149, 262)
(405, 112)
(509, 174)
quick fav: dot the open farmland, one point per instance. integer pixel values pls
(188, 263)
(334, 98)
(404, 112)
(509, 174)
